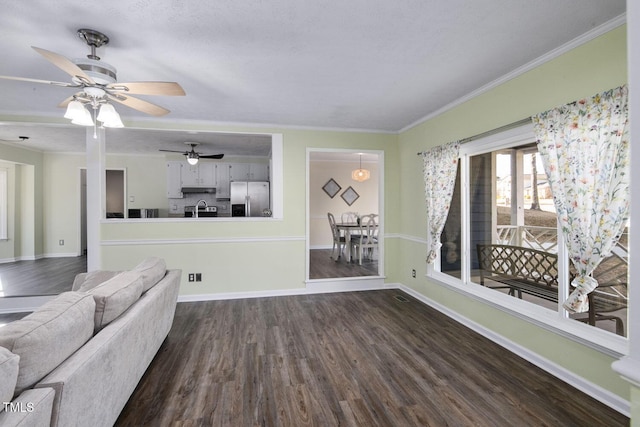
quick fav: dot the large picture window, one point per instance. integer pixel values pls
(501, 236)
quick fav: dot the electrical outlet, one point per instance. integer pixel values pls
(413, 273)
(61, 242)
(192, 277)
(198, 277)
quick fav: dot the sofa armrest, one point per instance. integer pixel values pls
(108, 367)
(32, 408)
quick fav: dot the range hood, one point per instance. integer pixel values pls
(208, 190)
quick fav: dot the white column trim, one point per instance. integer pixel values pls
(96, 159)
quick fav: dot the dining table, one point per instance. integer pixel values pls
(349, 229)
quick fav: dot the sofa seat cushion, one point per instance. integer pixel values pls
(49, 335)
(9, 374)
(115, 296)
(152, 270)
(84, 282)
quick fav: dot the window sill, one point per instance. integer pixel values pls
(594, 338)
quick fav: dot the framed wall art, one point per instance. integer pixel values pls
(349, 196)
(331, 188)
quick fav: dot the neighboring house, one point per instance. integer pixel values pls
(276, 248)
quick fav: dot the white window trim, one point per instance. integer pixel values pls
(557, 322)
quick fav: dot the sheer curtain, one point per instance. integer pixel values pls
(585, 151)
(440, 166)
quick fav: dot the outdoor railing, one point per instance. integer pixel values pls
(545, 239)
(529, 236)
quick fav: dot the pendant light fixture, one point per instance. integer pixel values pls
(360, 174)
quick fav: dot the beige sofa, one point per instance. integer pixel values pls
(77, 359)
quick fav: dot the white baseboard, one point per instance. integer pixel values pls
(35, 257)
(320, 247)
(349, 284)
(60, 255)
(599, 393)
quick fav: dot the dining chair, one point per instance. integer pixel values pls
(367, 239)
(338, 240)
(349, 217)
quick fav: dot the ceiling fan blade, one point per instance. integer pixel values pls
(148, 88)
(64, 64)
(211, 156)
(65, 102)
(139, 104)
(174, 151)
(47, 82)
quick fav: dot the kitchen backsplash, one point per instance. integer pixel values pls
(176, 206)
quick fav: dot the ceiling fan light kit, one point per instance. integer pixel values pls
(97, 82)
(109, 117)
(192, 158)
(78, 114)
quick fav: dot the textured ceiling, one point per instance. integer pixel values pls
(359, 64)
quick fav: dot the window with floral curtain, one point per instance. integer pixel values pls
(440, 166)
(585, 152)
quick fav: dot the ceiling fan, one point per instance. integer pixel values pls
(97, 81)
(193, 156)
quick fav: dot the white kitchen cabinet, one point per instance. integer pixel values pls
(259, 172)
(200, 175)
(206, 174)
(174, 180)
(189, 175)
(222, 180)
(239, 172)
(249, 172)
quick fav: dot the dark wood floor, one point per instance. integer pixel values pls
(378, 358)
(322, 266)
(47, 276)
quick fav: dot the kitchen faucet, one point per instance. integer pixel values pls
(198, 204)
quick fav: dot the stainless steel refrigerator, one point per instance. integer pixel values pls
(249, 198)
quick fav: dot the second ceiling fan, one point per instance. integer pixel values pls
(193, 156)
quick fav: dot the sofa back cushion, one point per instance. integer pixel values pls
(84, 282)
(46, 337)
(115, 296)
(9, 374)
(152, 270)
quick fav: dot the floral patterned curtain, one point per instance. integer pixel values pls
(585, 152)
(440, 166)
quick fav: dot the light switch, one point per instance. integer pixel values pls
(132, 199)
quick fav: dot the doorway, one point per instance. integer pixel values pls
(331, 189)
(115, 200)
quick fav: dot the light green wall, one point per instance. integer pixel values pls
(247, 256)
(62, 202)
(8, 246)
(145, 181)
(591, 68)
(26, 193)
